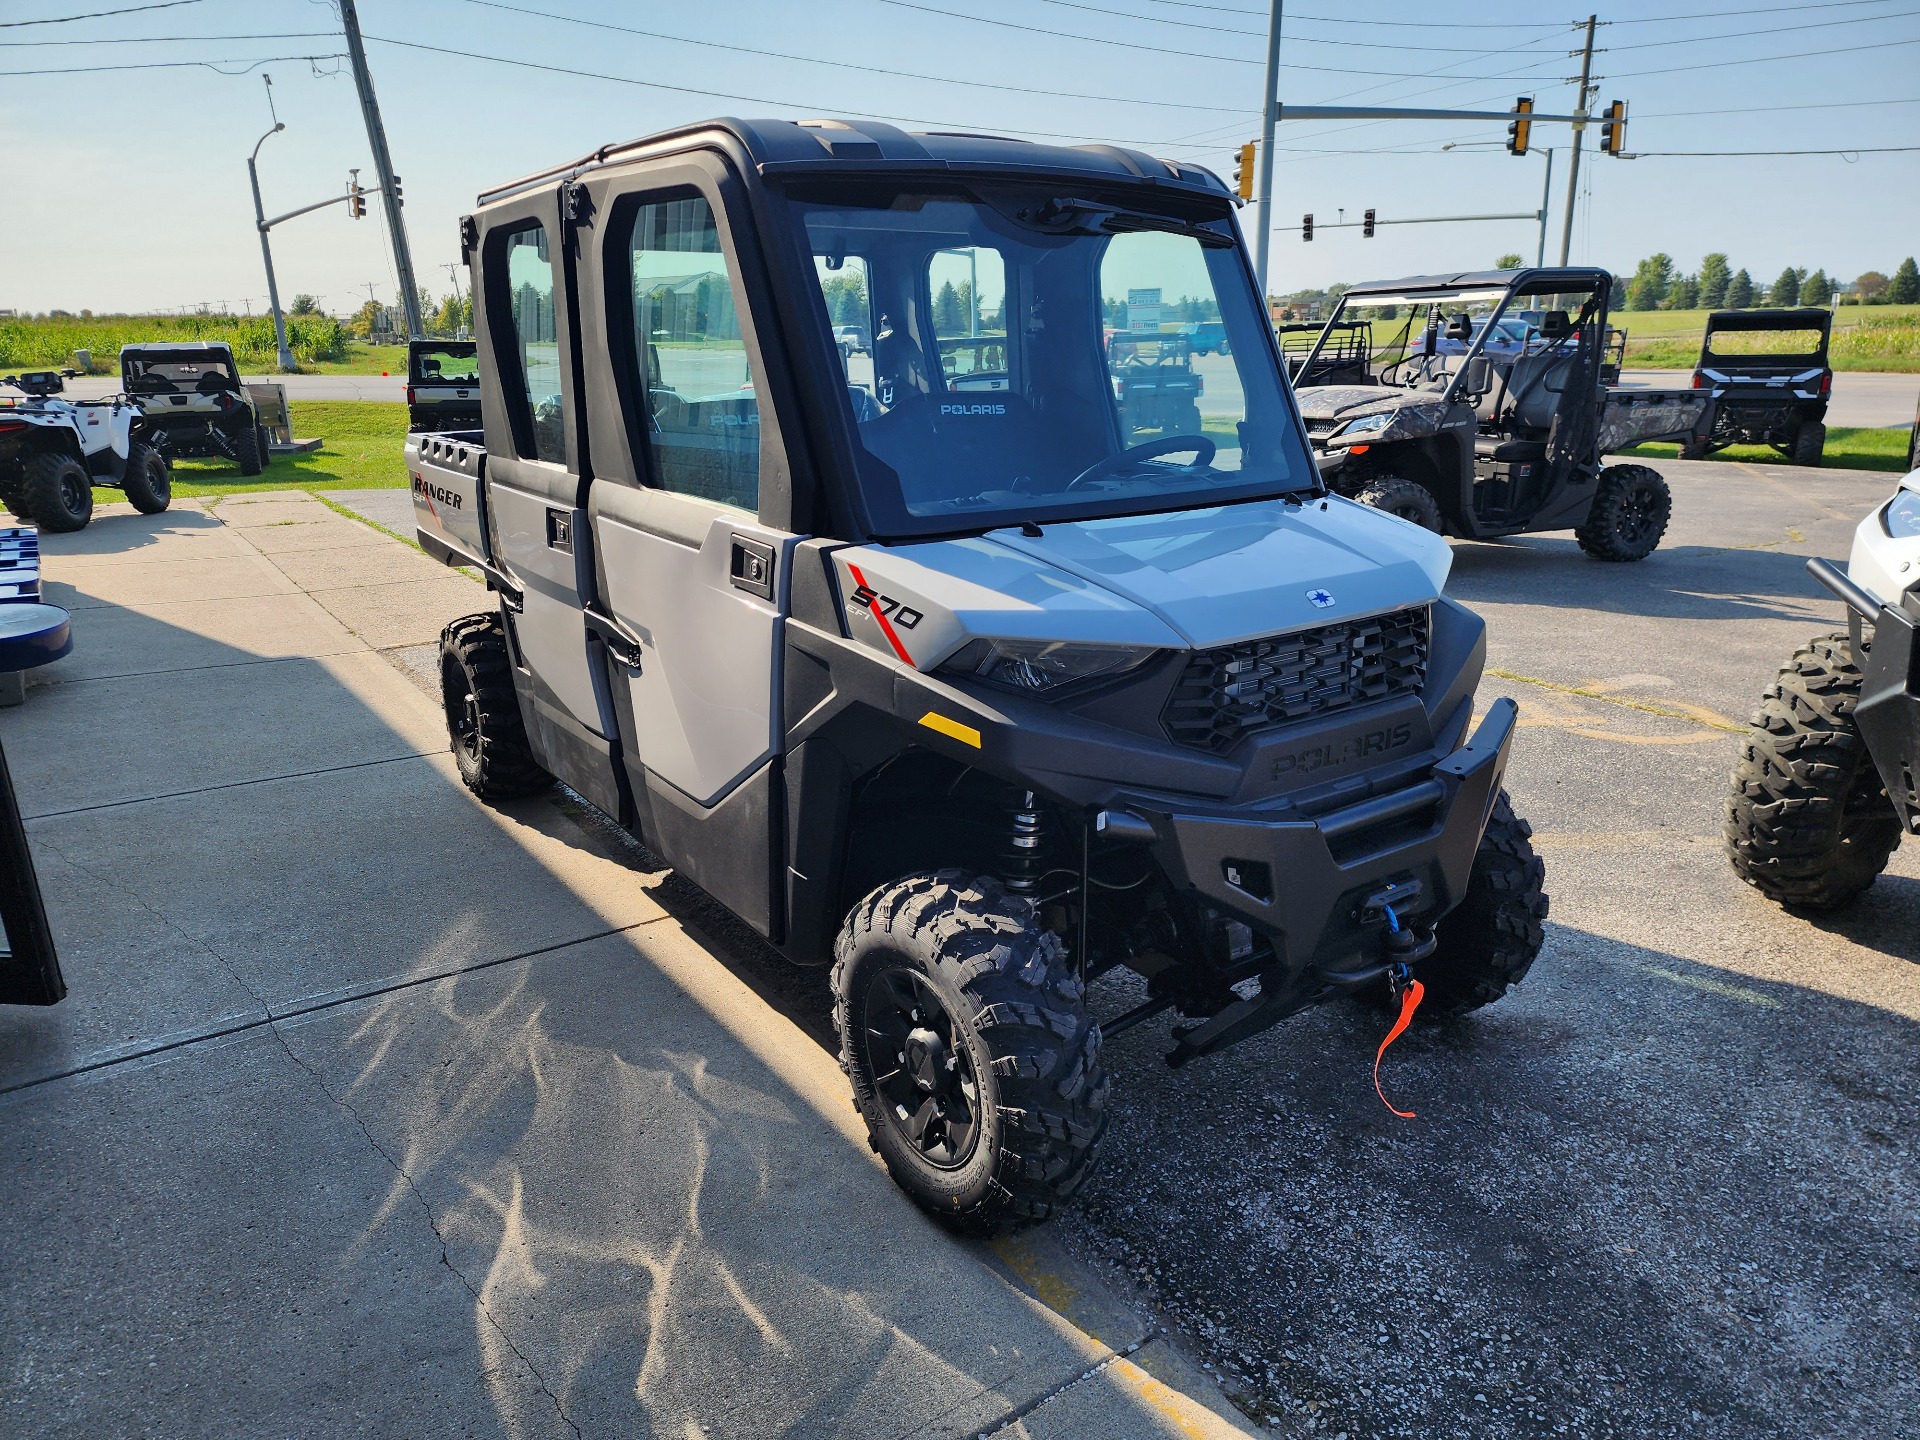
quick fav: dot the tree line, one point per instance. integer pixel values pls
(1657, 284)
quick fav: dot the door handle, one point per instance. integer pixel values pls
(750, 567)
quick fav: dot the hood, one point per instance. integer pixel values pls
(1193, 579)
(1347, 402)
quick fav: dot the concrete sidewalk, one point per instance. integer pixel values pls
(374, 1111)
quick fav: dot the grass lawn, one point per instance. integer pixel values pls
(362, 452)
(1847, 449)
(362, 359)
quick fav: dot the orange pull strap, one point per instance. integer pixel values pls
(1409, 1002)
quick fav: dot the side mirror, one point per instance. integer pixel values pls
(1479, 375)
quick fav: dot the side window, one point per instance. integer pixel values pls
(969, 290)
(530, 300)
(702, 418)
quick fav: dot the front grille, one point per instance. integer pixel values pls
(1225, 695)
(1323, 427)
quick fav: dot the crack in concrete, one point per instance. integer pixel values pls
(1021, 1412)
(271, 1024)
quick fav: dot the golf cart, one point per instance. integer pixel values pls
(952, 668)
(53, 452)
(443, 385)
(1768, 373)
(1154, 383)
(194, 406)
(1829, 777)
(1450, 434)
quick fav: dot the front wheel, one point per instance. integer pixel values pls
(1808, 822)
(1489, 941)
(1629, 514)
(148, 481)
(57, 492)
(1809, 444)
(1406, 498)
(974, 1062)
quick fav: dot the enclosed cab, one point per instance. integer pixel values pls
(944, 662)
(1770, 379)
(443, 385)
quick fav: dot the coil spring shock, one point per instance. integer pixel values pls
(1025, 856)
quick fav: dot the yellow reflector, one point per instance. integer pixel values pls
(953, 729)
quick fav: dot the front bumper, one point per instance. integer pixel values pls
(1888, 712)
(1303, 883)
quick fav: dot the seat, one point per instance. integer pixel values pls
(1502, 449)
(1534, 385)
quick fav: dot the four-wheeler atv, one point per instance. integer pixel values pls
(190, 394)
(443, 385)
(1829, 776)
(1481, 444)
(972, 691)
(53, 452)
(1154, 384)
(1768, 373)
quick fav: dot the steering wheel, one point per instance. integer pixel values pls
(1166, 445)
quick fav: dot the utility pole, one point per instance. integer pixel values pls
(1573, 170)
(390, 192)
(1269, 118)
(266, 250)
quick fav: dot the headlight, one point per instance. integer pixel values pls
(1036, 666)
(1903, 515)
(1368, 424)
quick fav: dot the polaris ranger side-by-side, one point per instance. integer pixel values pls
(54, 451)
(946, 671)
(1443, 429)
(193, 402)
(1770, 379)
(1829, 776)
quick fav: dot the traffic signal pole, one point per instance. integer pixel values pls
(1573, 172)
(266, 251)
(383, 165)
(1269, 118)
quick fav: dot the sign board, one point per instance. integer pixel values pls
(1143, 311)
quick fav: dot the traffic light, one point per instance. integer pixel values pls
(1522, 127)
(1243, 170)
(1306, 227)
(1366, 226)
(1613, 129)
(396, 191)
(356, 201)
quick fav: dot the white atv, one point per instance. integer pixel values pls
(53, 452)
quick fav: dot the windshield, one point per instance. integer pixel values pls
(192, 373)
(1028, 361)
(448, 365)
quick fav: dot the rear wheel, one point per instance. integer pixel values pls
(246, 451)
(1809, 444)
(1406, 498)
(1629, 515)
(265, 440)
(1695, 450)
(487, 735)
(1488, 942)
(57, 491)
(1808, 822)
(148, 481)
(974, 1063)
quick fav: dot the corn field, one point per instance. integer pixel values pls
(51, 343)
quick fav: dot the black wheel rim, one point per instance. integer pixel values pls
(75, 491)
(922, 1072)
(1407, 511)
(1638, 510)
(463, 709)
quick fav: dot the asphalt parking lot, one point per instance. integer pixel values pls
(565, 1152)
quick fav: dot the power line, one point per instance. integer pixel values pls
(1776, 30)
(96, 14)
(1252, 34)
(1067, 35)
(1769, 109)
(1718, 154)
(1399, 24)
(1762, 59)
(846, 65)
(174, 39)
(1726, 14)
(214, 65)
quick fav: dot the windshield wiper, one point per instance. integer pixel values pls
(1098, 217)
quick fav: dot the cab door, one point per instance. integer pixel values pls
(690, 527)
(537, 477)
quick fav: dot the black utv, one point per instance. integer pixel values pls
(443, 385)
(193, 403)
(1768, 373)
(1155, 383)
(1443, 427)
(950, 665)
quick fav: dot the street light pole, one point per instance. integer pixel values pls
(266, 250)
(1269, 118)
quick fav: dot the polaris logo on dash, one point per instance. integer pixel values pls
(994, 409)
(1321, 599)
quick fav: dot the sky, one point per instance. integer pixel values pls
(127, 187)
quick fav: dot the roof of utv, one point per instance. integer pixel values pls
(212, 349)
(773, 148)
(1553, 280)
(1813, 318)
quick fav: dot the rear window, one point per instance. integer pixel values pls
(448, 367)
(1765, 342)
(162, 375)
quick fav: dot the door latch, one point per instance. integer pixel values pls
(560, 531)
(612, 634)
(751, 567)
